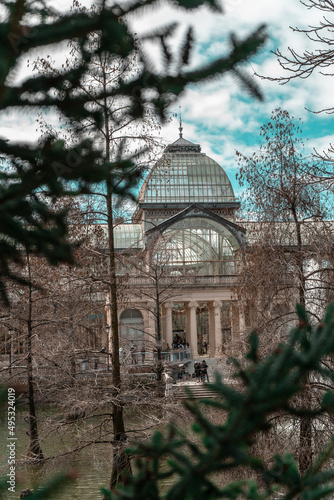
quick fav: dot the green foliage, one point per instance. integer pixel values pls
(268, 386)
(32, 176)
(265, 387)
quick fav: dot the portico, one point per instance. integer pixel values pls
(215, 339)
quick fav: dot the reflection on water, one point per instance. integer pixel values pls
(92, 465)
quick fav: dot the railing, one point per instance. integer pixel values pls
(151, 357)
(184, 281)
(99, 364)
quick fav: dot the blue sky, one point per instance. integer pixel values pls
(222, 117)
(219, 115)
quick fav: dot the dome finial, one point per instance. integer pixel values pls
(180, 127)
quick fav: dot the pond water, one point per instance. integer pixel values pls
(92, 465)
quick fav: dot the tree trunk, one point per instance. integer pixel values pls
(159, 369)
(120, 460)
(34, 450)
(305, 423)
(72, 343)
(305, 444)
(300, 262)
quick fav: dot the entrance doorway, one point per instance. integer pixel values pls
(179, 322)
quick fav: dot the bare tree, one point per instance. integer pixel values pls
(50, 327)
(284, 265)
(150, 284)
(119, 135)
(302, 64)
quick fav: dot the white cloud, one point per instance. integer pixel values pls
(220, 110)
(219, 115)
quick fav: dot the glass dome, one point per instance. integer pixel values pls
(184, 174)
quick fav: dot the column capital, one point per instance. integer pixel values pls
(168, 305)
(192, 305)
(217, 303)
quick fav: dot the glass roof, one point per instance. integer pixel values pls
(128, 236)
(195, 224)
(197, 245)
(183, 174)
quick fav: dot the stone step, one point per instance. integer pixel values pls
(197, 391)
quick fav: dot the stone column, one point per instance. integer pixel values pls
(187, 312)
(212, 337)
(217, 305)
(215, 332)
(192, 328)
(163, 322)
(169, 323)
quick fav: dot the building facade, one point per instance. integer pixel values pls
(179, 259)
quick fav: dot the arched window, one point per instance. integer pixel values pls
(131, 326)
(197, 245)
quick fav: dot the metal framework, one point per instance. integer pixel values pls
(186, 177)
(128, 236)
(198, 245)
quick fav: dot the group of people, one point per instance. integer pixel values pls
(201, 371)
(178, 343)
(178, 352)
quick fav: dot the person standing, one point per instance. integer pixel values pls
(197, 368)
(204, 371)
(134, 355)
(181, 372)
(168, 349)
(143, 353)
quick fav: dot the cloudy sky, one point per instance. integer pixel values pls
(220, 115)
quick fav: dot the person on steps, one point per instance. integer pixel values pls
(204, 371)
(197, 368)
